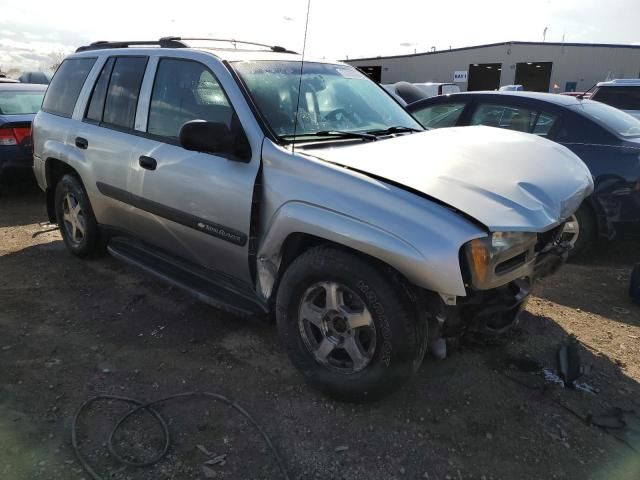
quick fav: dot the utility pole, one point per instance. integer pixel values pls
(544, 34)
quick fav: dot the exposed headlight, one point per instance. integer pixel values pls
(491, 258)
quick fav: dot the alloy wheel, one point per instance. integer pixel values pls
(571, 230)
(337, 327)
(73, 218)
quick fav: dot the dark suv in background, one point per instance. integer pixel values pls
(623, 94)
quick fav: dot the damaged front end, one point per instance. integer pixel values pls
(499, 272)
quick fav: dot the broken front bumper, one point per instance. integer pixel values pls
(540, 255)
(496, 310)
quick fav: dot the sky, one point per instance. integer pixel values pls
(32, 30)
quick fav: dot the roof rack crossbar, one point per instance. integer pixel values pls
(167, 42)
(234, 42)
(176, 42)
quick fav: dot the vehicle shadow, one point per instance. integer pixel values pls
(490, 400)
(624, 250)
(73, 329)
(598, 285)
(21, 204)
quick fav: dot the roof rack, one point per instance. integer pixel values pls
(167, 42)
(234, 42)
(175, 42)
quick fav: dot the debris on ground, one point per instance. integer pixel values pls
(552, 377)
(218, 460)
(204, 450)
(209, 472)
(569, 362)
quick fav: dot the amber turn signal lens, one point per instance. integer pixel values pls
(479, 258)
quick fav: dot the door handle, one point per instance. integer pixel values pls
(147, 163)
(82, 143)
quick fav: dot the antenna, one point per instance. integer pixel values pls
(304, 48)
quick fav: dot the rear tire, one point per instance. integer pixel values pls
(347, 326)
(76, 220)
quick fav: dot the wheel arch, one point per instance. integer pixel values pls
(297, 226)
(55, 169)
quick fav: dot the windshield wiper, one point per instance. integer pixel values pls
(336, 134)
(395, 129)
(344, 134)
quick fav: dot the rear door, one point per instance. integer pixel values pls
(196, 206)
(107, 137)
(513, 115)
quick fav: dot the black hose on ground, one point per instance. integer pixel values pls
(139, 405)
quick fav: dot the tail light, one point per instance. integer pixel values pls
(15, 136)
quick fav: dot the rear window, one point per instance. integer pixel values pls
(624, 98)
(96, 104)
(20, 103)
(612, 119)
(124, 87)
(65, 87)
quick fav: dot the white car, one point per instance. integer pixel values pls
(432, 89)
(511, 88)
(407, 93)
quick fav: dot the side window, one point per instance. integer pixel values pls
(185, 90)
(515, 118)
(577, 129)
(65, 86)
(122, 93)
(544, 123)
(96, 104)
(440, 115)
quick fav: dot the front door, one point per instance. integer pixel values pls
(194, 205)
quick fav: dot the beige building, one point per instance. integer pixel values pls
(538, 66)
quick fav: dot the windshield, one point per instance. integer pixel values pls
(611, 118)
(20, 103)
(332, 98)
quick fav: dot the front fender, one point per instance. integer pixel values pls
(299, 217)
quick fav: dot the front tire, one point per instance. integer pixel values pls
(75, 218)
(580, 231)
(347, 326)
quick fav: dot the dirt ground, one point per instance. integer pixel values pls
(72, 329)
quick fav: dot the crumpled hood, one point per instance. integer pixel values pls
(508, 181)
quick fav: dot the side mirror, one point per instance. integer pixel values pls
(212, 137)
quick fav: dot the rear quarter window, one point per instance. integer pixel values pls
(65, 87)
(122, 94)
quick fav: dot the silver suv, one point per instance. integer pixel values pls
(264, 184)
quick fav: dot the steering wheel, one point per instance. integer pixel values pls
(340, 115)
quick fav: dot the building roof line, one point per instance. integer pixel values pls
(506, 44)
